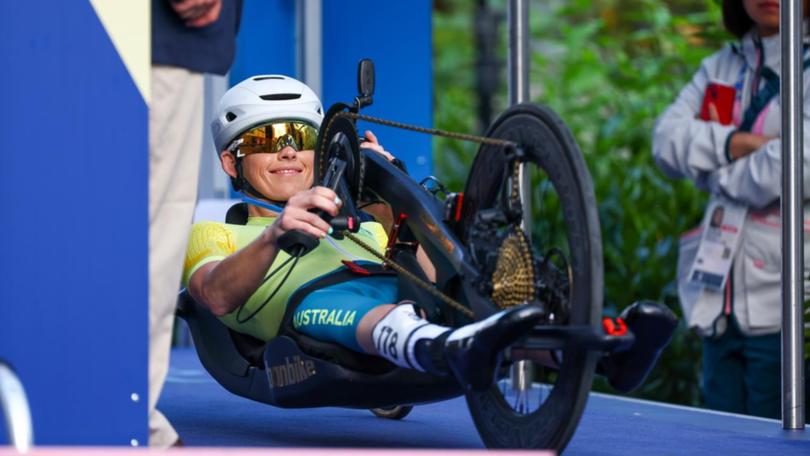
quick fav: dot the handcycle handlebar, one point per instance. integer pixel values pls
(298, 243)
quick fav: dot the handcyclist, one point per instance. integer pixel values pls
(265, 130)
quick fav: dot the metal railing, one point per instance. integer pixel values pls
(518, 17)
(15, 410)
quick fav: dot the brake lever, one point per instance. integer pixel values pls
(298, 243)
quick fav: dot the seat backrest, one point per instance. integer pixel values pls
(237, 214)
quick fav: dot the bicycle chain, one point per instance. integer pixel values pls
(430, 288)
(421, 283)
(403, 126)
(429, 131)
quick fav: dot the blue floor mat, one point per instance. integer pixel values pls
(205, 414)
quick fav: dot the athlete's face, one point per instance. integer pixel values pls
(278, 176)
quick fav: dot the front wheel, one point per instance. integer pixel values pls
(396, 412)
(560, 222)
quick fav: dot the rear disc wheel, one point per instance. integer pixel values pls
(561, 222)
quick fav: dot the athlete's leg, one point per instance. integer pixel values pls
(335, 313)
(348, 314)
(471, 353)
(358, 315)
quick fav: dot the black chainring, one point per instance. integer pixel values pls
(338, 137)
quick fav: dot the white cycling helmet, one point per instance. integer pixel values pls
(260, 99)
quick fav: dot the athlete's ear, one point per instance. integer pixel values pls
(228, 162)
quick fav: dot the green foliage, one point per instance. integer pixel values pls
(608, 70)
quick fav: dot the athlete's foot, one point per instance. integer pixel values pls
(473, 352)
(652, 324)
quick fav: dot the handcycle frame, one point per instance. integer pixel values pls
(295, 371)
(231, 357)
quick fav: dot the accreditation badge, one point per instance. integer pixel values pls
(722, 229)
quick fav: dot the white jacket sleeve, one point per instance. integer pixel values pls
(684, 146)
(756, 179)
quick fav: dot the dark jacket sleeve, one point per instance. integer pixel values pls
(207, 49)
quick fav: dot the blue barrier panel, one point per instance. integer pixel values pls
(397, 36)
(266, 41)
(73, 198)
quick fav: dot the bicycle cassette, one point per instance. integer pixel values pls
(507, 266)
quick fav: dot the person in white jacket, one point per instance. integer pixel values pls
(739, 165)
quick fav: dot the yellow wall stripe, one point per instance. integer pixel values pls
(128, 23)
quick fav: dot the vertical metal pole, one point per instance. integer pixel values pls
(519, 86)
(518, 18)
(518, 51)
(792, 216)
(309, 43)
(213, 182)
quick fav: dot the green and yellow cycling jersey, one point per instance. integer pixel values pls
(212, 241)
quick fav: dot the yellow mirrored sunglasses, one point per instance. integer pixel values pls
(273, 137)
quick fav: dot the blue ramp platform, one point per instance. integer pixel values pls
(207, 415)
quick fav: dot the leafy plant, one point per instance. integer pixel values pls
(608, 70)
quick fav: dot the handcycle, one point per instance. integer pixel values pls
(524, 230)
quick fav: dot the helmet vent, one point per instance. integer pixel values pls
(262, 78)
(280, 96)
(230, 116)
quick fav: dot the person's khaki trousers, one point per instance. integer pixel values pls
(175, 139)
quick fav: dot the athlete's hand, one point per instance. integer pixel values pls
(380, 211)
(297, 216)
(372, 143)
